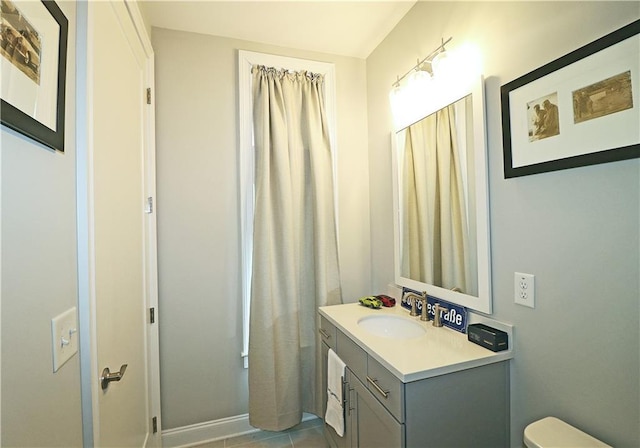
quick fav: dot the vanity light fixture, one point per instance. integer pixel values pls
(419, 84)
(436, 78)
(420, 69)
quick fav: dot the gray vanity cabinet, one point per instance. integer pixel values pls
(467, 408)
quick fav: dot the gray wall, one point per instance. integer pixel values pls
(39, 407)
(577, 231)
(202, 378)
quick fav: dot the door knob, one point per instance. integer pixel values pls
(107, 376)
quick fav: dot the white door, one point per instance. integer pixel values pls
(121, 246)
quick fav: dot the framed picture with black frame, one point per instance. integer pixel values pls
(581, 109)
(33, 57)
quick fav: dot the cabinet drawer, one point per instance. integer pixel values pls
(388, 389)
(328, 333)
(352, 355)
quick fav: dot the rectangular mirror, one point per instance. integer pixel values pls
(441, 215)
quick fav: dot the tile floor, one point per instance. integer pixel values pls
(307, 434)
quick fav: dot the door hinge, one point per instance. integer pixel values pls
(152, 315)
(154, 424)
(149, 206)
(148, 95)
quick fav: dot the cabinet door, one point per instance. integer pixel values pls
(371, 424)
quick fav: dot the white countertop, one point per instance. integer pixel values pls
(437, 352)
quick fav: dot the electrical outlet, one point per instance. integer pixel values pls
(524, 287)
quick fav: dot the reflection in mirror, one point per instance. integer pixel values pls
(441, 203)
(435, 161)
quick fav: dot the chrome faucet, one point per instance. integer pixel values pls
(416, 297)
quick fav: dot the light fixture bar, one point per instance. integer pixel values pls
(428, 58)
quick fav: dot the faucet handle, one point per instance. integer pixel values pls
(437, 320)
(425, 312)
(414, 311)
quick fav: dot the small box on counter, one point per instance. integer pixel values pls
(488, 337)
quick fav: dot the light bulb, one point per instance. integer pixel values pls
(419, 77)
(442, 64)
(397, 102)
(395, 95)
(419, 84)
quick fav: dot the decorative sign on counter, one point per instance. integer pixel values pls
(455, 318)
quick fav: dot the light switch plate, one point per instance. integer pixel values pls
(64, 337)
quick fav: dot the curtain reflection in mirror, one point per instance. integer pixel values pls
(436, 246)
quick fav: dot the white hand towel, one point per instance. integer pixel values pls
(335, 408)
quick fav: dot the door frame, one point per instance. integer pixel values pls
(89, 369)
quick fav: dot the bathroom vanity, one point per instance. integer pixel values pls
(409, 384)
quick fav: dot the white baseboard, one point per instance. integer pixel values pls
(205, 432)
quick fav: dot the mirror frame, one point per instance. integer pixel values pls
(482, 302)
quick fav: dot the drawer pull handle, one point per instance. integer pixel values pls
(374, 383)
(324, 334)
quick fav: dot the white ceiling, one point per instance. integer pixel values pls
(349, 28)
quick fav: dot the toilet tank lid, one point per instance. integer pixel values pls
(553, 432)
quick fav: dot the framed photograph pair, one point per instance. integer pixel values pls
(33, 55)
(581, 109)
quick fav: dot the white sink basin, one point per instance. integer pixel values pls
(392, 327)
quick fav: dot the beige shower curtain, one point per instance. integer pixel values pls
(295, 260)
(435, 237)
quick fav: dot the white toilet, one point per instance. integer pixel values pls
(552, 432)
